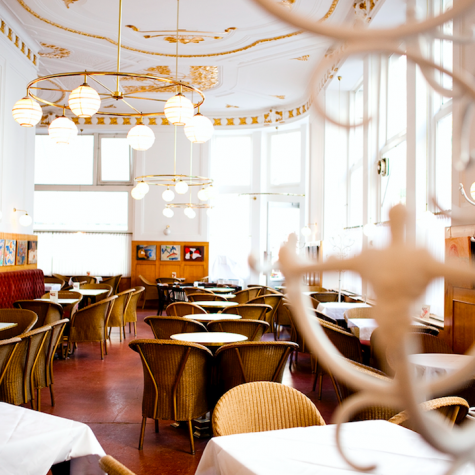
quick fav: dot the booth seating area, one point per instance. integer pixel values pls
(20, 285)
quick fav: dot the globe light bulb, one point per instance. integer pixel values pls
(190, 212)
(178, 109)
(141, 137)
(306, 231)
(203, 194)
(186, 211)
(25, 220)
(136, 194)
(199, 129)
(84, 101)
(27, 112)
(168, 212)
(211, 192)
(142, 187)
(369, 230)
(168, 195)
(62, 130)
(181, 187)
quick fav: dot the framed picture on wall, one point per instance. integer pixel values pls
(21, 250)
(194, 253)
(146, 253)
(10, 252)
(2, 250)
(32, 252)
(170, 252)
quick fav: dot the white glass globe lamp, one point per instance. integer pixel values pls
(27, 112)
(203, 194)
(306, 231)
(168, 212)
(136, 194)
(178, 109)
(181, 187)
(142, 187)
(369, 230)
(140, 137)
(190, 212)
(199, 129)
(84, 101)
(168, 195)
(25, 220)
(62, 130)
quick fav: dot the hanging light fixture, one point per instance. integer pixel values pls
(142, 187)
(62, 130)
(178, 109)
(84, 101)
(199, 129)
(27, 112)
(168, 195)
(181, 187)
(136, 193)
(168, 212)
(203, 194)
(141, 137)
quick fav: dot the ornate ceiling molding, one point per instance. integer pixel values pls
(55, 51)
(153, 53)
(17, 41)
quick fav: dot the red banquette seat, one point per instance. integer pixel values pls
(26, 284)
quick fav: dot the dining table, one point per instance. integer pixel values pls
(62, 301)
(211, 317)
(394, 450)
(220, 290)
(215, 304)
(431, 365)
(209, 339)
(336, 310)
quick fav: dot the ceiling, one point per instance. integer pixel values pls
(240, 56)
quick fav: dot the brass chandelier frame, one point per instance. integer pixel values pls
(172, 180)
(189, 205)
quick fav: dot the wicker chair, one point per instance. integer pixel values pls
(7, 350)
(114, 282)
(64, 278)
(98, 298)
(204, 297)
(243, 296)
(180, 309)
(196, 290)
(253, 329)
(273, 301)
(167, 280)
(25, 320)
(176, 382)
(359, 312)
(112, 467)
(325, 296)
(17, 386)
(296, 337)
(119, 309)
(268, 291)
(47, 311)
(249, 311)
(263, 406)
(84, 278)
(43, 375)
(90, 324)
(55, 280)
(250, 361)
(151, 291)
(164, 327)
(131, 310)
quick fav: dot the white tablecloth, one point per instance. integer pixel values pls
(49, 287)
(432, 365)
(364, 327)
(337, 309)
(312, 450)
(31, 442)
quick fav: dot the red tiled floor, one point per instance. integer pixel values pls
(107, 395)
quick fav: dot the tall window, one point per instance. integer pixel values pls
(397, 99)
(285, 158)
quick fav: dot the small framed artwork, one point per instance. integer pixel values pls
(10, 252)
(146, 253)
(21, 250)
(2, 250)
(170, 253)
(32, 252)
(194, 253)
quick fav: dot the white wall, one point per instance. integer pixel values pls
(16, 142)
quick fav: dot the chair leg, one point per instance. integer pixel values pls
(102, 350)
(156, 426)
(120, 333)
(143, 304)
(320, 386)
(142, 432)
(110, 331)
(123, 330)
(135, 329)
(130, 323)
(51, 393)
(192, 442)
(105, 346)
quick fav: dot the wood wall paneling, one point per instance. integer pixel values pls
(19, 237)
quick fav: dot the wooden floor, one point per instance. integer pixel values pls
(107, 395)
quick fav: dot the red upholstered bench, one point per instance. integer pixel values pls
(26, 284)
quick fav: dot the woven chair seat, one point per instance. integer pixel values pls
(164, 327)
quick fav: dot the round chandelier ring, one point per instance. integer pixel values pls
(172, 180)
(111, 95)
(188, 205)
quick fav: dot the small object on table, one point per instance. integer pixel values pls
(431, 365)
(213, 339)
(211, 317)
(6, 325)
(336, 310)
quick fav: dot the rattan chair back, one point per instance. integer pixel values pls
(180, 309)
(167, 280)
(196, 290)
(17, 386)
(270, 299)
(325, 296)
(55, 280)
(249, 311)
(164, 327)
(46, 311)
(151, 290)
(84, 278)
(105, 287)
(176, 381)
(359, 312)
(7, 350)
(111, 466)
(253, 329)
(117, 315)
(114, 282)
(243, 296)
(131, 310)
(346, 343)
(205, 297)
(250, 361)
(263, 406)
(90, 323)
(25, 320)
(268, 291)
(62, 277)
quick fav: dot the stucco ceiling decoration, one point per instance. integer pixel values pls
(69, 2)
(54, 51)
(229, 106)
(303, 58)
(280, 97)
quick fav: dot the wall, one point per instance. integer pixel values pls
(18, 237)
(16, 143)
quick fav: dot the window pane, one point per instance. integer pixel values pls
(81, 211)
(64, 165)
(115, 159)
(393, 186)
(396, 95)
(231, 161)
(443, 163)
(285, 158)
(355, 202)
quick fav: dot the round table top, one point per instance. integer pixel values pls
(215, 303)
(6, 325)
(209, 338)
(220, 290)
(211, 317)
(440, 362)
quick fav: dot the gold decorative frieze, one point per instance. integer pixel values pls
(255, 120)
(17, 41)
(303, 58)
(110, 106)
(291, 114)
(204, 77)
(242, 120)
(217, 122)
(126, 121)
(55, 51)
(165, 121)
(230, 121)
(152, 121)
(113, 121)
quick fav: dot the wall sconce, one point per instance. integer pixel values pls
(24, 220)
(167, 231)
(307, 229)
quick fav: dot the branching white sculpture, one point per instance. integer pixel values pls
(400, 272)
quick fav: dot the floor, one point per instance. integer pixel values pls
(107, 395)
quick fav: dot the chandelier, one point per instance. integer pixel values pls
(84, 101)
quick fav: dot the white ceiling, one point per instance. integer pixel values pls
(249, 77)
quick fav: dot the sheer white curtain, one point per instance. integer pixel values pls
(79, 253)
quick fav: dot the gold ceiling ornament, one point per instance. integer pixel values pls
(287, 3)
(185, 36)
(184, 40)
(229, 106)
(69, 2)
(303, 58)
(85, 101)
(280, 97)
(56, 51)
(110, 106)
